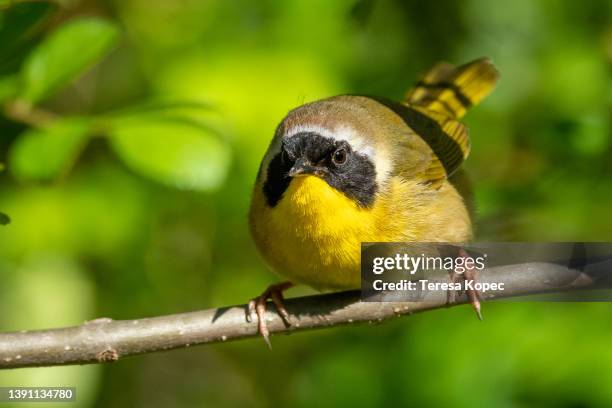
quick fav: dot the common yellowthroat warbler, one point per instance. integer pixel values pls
(352, 169)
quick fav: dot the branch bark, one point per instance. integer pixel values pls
(107, 340)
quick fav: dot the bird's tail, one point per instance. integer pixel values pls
(451, 90)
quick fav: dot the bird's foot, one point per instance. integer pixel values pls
(258, 307)
(468, 275)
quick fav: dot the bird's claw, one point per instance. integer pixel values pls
(473, 295)
(257, 306)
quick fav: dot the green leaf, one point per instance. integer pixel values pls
(4, 219)
(66, 53)
(45, 154)
(177, 153)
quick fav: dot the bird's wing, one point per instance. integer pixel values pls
(435, 105)
(433, 146)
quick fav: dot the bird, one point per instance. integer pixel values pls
(350, 169)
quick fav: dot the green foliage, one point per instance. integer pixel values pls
(163, 140)
(48, 153)
(63, 55)
(178, 153)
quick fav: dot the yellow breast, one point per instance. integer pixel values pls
(313, 235)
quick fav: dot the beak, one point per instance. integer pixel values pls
(301, 166)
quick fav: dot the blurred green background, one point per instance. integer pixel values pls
(131, 132)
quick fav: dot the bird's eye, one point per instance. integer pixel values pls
(339, 157)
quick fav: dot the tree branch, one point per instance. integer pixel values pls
(23, 112)
(107, 340)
